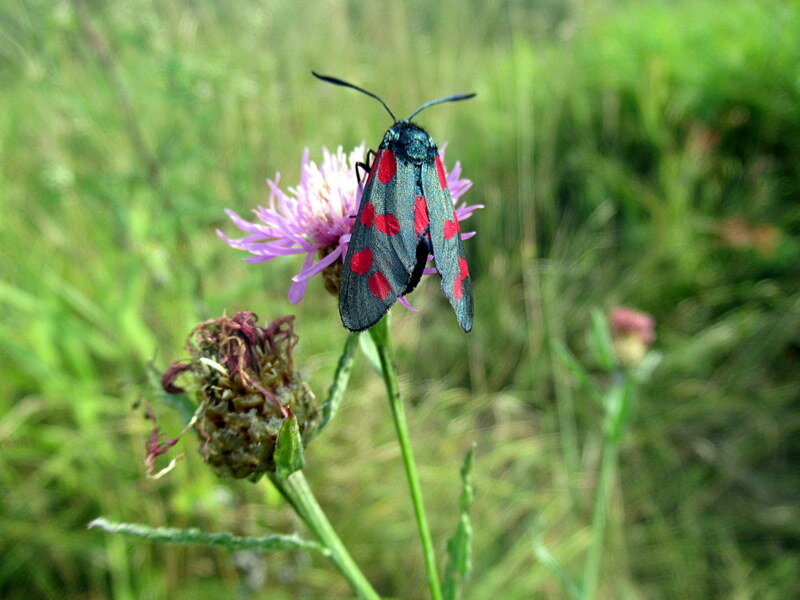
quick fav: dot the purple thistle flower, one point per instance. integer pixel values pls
(316, 217)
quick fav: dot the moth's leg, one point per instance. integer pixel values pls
(365, 166)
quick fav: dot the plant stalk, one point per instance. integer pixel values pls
(617, 403)
(297, 492)
(380, 334)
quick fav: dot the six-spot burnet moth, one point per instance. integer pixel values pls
(406, 213)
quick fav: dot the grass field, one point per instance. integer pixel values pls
(636, 153)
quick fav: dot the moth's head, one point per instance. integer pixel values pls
(405, 137)
(411, 140)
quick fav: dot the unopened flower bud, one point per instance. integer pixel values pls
(632, 333)
(245, 383)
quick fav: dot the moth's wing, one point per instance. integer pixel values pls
(383, 250)
(448, 251)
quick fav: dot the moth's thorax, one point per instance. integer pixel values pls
(410, 142)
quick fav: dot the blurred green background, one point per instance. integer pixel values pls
(638, 153)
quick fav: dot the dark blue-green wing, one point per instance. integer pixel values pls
(448, 251)
(383, 246)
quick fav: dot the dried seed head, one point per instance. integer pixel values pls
(245, 383)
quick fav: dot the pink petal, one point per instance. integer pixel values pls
(465, 212)
(402, 300)
(270, 249)
(232, 241)
(308, 271)
(298, 288)
(243, 224)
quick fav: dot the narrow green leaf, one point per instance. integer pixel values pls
(370, 350)
(644, 370)
(289, 451)
(599, 339)
(170, 535)
(575, 369)
(340, 379)
(619, 399)
(18, 298)
(547, 559)
(459, 547)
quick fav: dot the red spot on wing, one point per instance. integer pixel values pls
(451, 228)
(440, 171)
(368, 215)
(420, 215)
(463, 268)
(457, 289)
(387, 166)
(387, 224)
(361, 261)
(379, 286)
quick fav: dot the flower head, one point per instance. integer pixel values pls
(632, 333)
(315, 218)
(243, 377)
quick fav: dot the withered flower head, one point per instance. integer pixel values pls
(244, 380)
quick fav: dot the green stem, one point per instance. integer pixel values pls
(570, 448)
(297, 492)
(604, 486)
(617, 403)
(380, 334)
(340, 378)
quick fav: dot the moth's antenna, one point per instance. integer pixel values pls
(355, 87)
(439, 101)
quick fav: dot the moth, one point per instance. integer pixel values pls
(406, 213)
